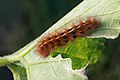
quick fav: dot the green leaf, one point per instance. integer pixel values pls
(81, 52)
(19, 72)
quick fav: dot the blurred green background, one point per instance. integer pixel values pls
(21, 21)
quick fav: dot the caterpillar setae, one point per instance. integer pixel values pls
(62, 38)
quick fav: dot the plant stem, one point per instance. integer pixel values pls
(18, 55)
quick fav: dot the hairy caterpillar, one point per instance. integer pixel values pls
(60, 39)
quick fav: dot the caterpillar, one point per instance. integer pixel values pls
(62, 38)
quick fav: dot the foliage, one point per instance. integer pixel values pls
(27, 64)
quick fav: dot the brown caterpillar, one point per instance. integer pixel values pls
(60, 39)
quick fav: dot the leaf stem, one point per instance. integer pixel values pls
(18, 55)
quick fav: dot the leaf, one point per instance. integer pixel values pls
(82, 51)
(106, 11)
(50, 68)
(19, 72)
